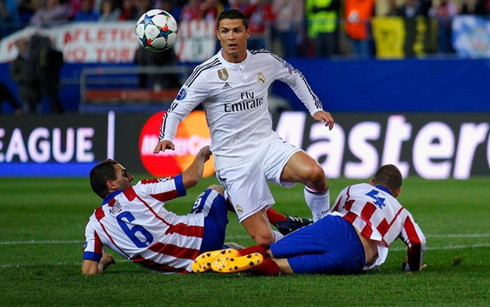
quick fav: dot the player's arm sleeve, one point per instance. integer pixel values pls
(92, 248)
(413, 236)
(300, 86)
(187, 99)
(164, 189)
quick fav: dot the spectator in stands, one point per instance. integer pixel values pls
(129, 11)
(288, 25)
(358, 14)
(191, 11)
(413, 8)
(237, 4)
(444, 12)
(74, 6)
(322, 18)
(47, 62)
(170, 6)
(409, 9)
(143, 6)
(260, 17)
(9, 17)
(109, 11)
(210, 9)
(6, 95)
(475, 7)
(22, 72)
(52, 13)
(391, 9)
(26, 9)
(87, 12)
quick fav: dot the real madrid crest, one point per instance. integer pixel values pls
(223, 74)
(260, 78)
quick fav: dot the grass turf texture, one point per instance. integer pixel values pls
(41, 236)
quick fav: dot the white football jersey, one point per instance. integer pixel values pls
(135, 224)
(378, 216)
(234, 97)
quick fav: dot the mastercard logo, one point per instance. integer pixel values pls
(192, 135)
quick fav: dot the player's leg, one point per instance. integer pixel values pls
(213, 205)
(304, 169)
(250, 195)
(259, 229)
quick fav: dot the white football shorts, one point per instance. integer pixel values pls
(246, 183)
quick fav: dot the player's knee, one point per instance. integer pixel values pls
(217, 188)
(316, 178)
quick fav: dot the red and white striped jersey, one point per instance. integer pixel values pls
(378, 216)
(134, 223)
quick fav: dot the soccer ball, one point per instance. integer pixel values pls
(156, 30)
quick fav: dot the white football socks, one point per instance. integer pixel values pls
(318, 202)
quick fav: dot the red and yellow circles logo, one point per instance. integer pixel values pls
(192, 135)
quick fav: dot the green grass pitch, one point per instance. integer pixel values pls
(41, 235)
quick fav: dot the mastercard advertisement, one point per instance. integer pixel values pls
(192, 135)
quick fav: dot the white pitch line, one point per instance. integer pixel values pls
(461, 235)
(457, 235)
(41, 242)
(432, 248)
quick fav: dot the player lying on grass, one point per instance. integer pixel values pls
(133, 221)
(355, 236)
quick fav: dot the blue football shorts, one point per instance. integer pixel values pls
(330, 245)
(213, 206)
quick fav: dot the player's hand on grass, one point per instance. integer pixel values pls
(105, 261)
(405, 266)
(163, 145)
(324, 117)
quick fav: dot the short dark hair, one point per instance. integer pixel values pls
(100, 174)
(233, 14)
(389, 176)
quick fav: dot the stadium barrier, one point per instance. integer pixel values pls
(107, 88)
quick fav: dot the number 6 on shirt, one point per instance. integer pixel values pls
(131, 232)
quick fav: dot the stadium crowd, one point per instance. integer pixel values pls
(299, 28)
(305, 28)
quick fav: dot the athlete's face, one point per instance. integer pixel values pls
(233, 38)
(123, 178)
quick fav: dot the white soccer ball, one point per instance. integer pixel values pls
(156, 30)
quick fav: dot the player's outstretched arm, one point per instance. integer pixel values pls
(194, 172)
(163, 145)
(324, 117)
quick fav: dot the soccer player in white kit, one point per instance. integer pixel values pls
(233, 87)
(365, 220)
